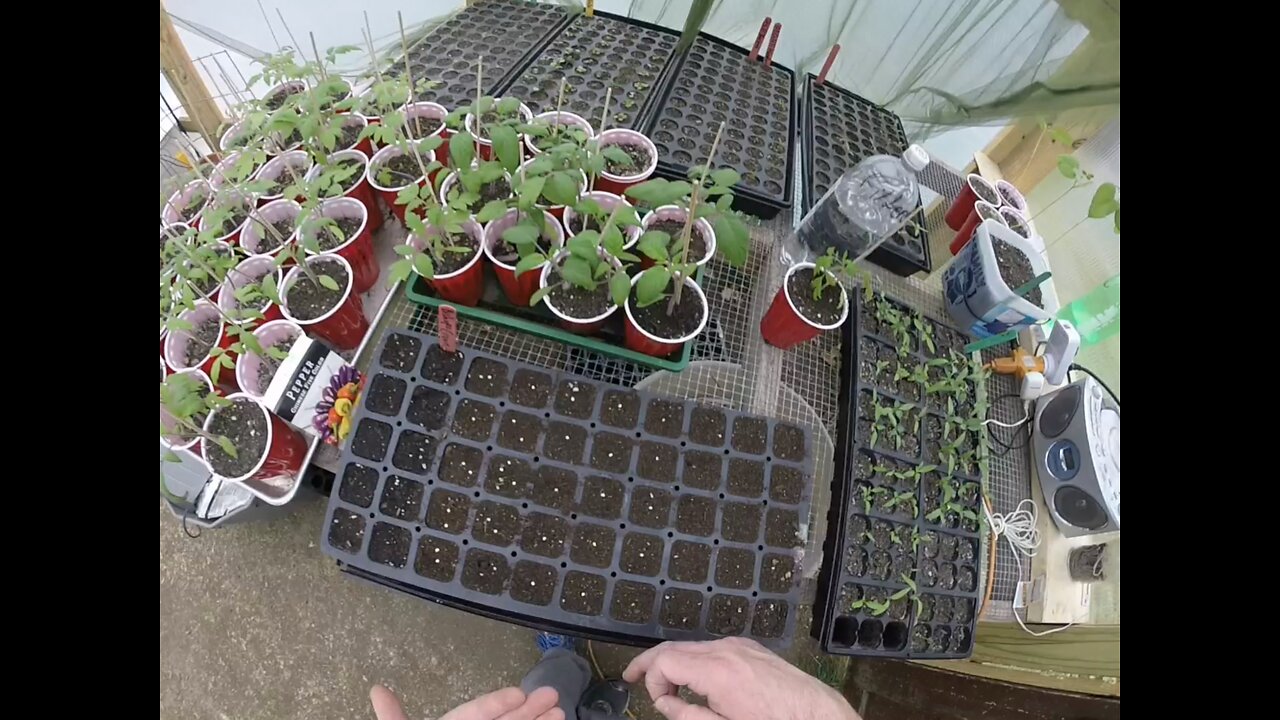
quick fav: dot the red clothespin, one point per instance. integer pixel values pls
(447, 330)
(826, 67)
(755, 49)
(773, 44)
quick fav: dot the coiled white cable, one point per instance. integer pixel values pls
(1019, 530)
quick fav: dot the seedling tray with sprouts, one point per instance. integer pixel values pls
(592, 55)
(562, 503)
(716, 82)
(840, 130)
(902, 579)
(502, 32)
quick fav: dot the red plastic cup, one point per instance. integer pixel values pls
(247, 364)
(562, 118)
(249, 268)
(282, 458)
(438, 112)
(618, 184)
(641, 340)
(361, 191)
(221, 173)
(517, 288)
(175, 345)
(345, 325)
(233, 237)
(484, 148)
(298, 161)
(272, 212)
(389, 193)
(976, 216)
(466, 284)
(579, 326)
(677, 213)
(357, 249)
(364, 145)
(170, 216)
(170, 423)
(959, 211)
(1011, 196)
(784, 327)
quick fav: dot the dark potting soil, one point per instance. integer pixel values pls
(611, 452)
(358, 484)
(1007, 196)
(269, 366)
(583, 593)
(245, 425)
(746, 477)
(308, 300)
(663, 417)
(681, 609)
(496, 523)
(727, 615)
(786, 484)
(530, 388)
(460, 465)
(788, 442)
(454, 261)
(348, 136)
(697, 243)
(509, 254)
(1015, 269)
(485, 571)
(592, 545)
(640, 159)
(437, 559)
(487, 377)
(749, 435)
(782, 528)
(683, 320)
(440, 366)
(327, 239)
(544, 534)
(533, 583)
(577, 223)
(601, 497)
(855, 561)
(519, 431)
(576, 302)
(194, 204)
(389, 545)
(423, 127)
(277, 99)
(400, 171)
(356, 167)
(690, 562)
(641, 554)
(234, 219)
(650, 507)
(777, 573)
(508, 476)
(657, 461)
(632, 601)
(696, 515)
(202, 338)
(400, 353)
(740, 522)
(575, 399)
(385, 394)
(401, 498)
(554, 487)
(707, 426)
(428, 407)
(371, 439)
(447, 511)
(473, 420)
(986, 193)
(499, 189)
(823, 311)
(769, 619)
(565, 442)
(735, 568)
(491, 117)
(620, 409)
(702, 470)
(414, 452)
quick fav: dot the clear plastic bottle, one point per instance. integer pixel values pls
(868, 204)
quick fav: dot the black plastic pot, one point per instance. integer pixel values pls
(716, 82)
(840, 129)
(946, 571)
(464, 484)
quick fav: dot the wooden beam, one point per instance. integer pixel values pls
(175, 63)
(1082, 649)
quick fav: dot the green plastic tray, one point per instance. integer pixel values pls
(495, 309)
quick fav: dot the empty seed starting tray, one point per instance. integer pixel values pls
(546, 499)
(840, 130)
(505, 33)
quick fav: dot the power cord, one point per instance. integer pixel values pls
(1019, 530)
(1092, 374)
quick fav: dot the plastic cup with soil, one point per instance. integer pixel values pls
(277, 96)
(505, 256)
(493, 116)
(255, 372)
(576, 222)
(545, 202)
(976, 188)
(643, 160)
(1015, 269)
(187, 204)
(229, 171)
(579, 310)
(1011, 196)
(558, 125)
(334, 315)
(346, 174)
(282, 216)
(796, 315)
(671, 219)
(232, 208)
(344, 230)
(282, 171)
(268, 451)
(663, 327)
(190, 349)
(250, 271)
(174, 435)
(459, 276)
(496, 189)
(982, 211)
(209, 286)
(1016, 222)
(391, 170)
(240, 135)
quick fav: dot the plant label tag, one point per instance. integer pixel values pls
(299, 385)
(447, 317)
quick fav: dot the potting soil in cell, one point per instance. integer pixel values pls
(548, 499)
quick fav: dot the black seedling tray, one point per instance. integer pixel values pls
(594, 54)
(715, 82)
(455, 482)
(868, 550)
(840, 130)
(503, 32)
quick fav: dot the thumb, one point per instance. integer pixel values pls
(673, 707)
(386, 706)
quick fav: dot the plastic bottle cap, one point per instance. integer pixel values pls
(916, 157)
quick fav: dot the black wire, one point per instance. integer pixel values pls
(1094, 375)
(1021, 432)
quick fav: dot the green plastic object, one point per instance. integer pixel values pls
(496, 310)
(1096, 315)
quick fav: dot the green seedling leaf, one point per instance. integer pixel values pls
(492, 210)
(329, 283)
(425, 267)
(521, 235)
(651, 285)
(725, 177)
(1061, 137)
(577, 271)
(462, 150)
(1104, 201)
(877, 608)
(506, 146)
(561, 188)
(227, 446)
(732, 238)
(619, 288)
(1068, 166)
(653, 244)
(539, 295)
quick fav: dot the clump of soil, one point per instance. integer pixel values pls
(592, 545)
(702, 470)
(508, 476)
(474, 419)
(583, 593)
(728, 615)
(401, 498)
(326, 239)
(485, 571)
(565, 442)
(575, 399)
(826, 309)
(777, 573)
(530, 388)
(749, 435)
(674, 228)
(544, 534)
(696, 515)
(495, 523)
(385, 394)
(554, 487)
(519, 431)
(601, 497)
(683, 319)
(632, 601)
(782, 528)
(371, 439)
(1015, 269)
(746, 477)
(690, 562)
(740, 522)
(440, 366)
(428, 407)
(245, 425)
(414, 452)
(788, 442)
(641, 554)
(707, 426)
(657, 461)
(201, 341)
(640, 159)
(358, 484)
(447, 511)
(487, 377)
(400, 352)
(786, 484)
(533, 583)
(620, 409)
(460, 464)
(268, 366)
(611, 452)
(437, 559)
(389, 545)
(346, 531)
(769, 619)
(681, 609)
(663, 417)
(307, 299)
(650, 507)
(735, 568)
(577, 302)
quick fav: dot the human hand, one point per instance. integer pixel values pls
(740, 679)
(505, 704)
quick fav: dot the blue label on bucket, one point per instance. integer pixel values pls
(962, 282)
